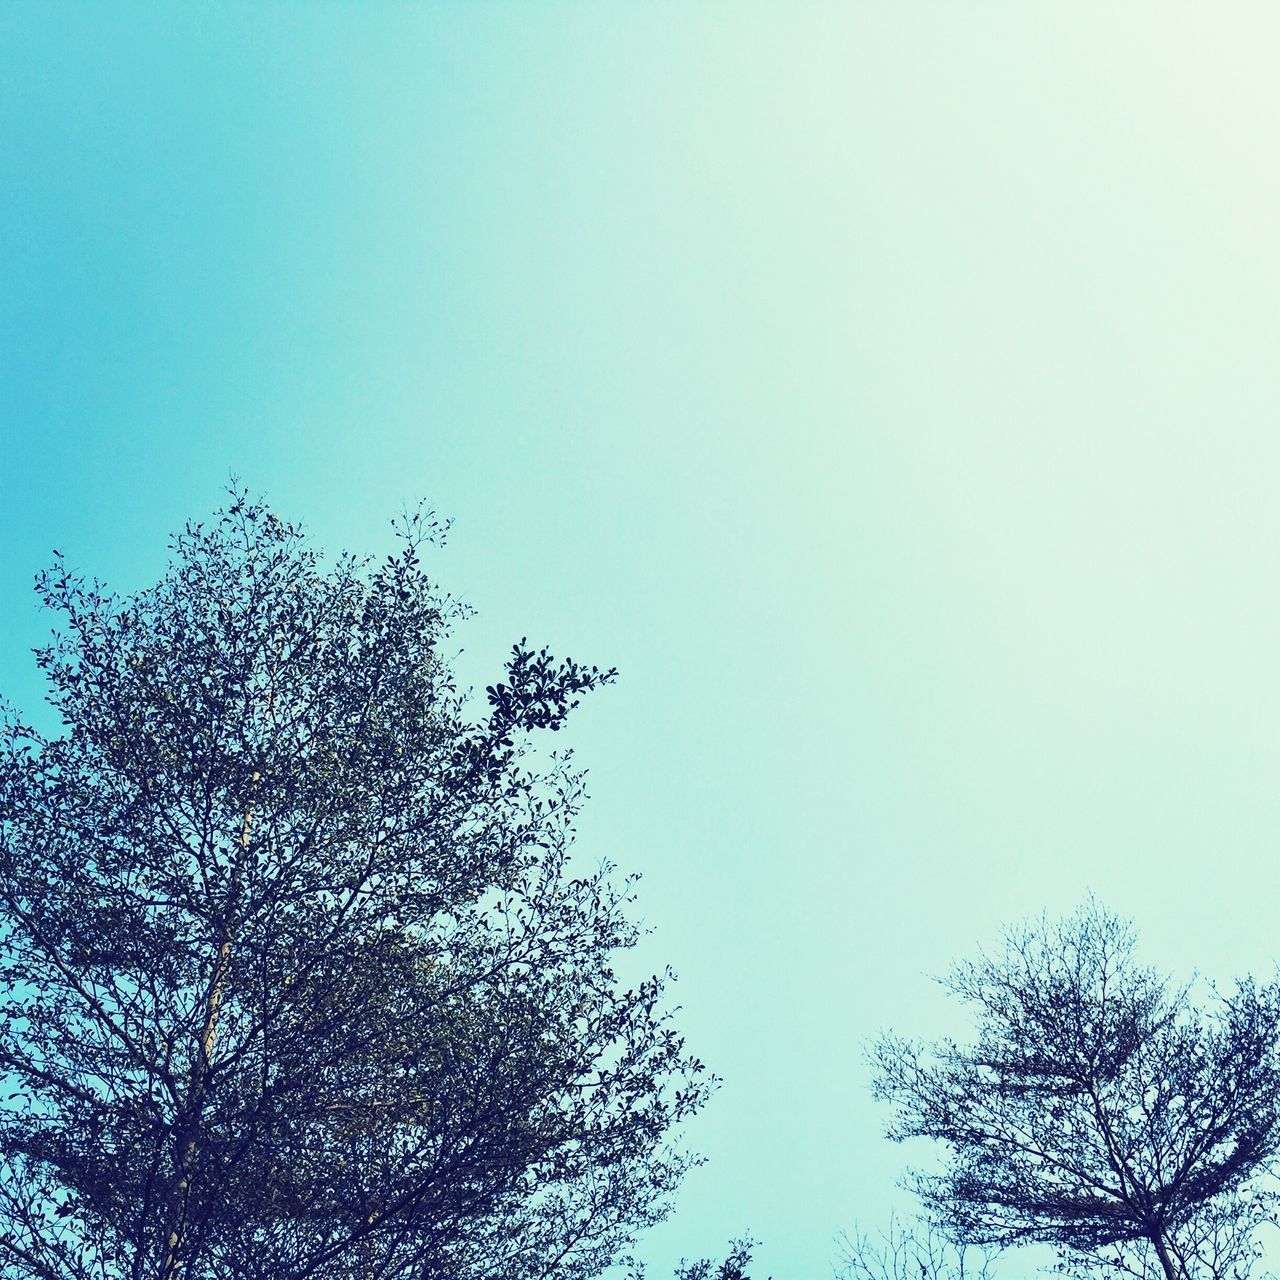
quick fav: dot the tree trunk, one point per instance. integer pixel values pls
(1167, 1264)
(188, 1143)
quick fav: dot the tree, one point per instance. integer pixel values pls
(1099, 1110)
(733, 1267)
(299, 981)
(910, 1252)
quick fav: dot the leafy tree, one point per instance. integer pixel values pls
(298, 980)
(733, 1267)
(1099, 1109)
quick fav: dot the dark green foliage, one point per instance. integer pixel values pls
(733, 1267)
(1099, 1110)
(299, 982)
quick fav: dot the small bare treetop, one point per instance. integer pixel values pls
(910, 1251)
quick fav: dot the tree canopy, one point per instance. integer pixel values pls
(1099, 1109)
(300, 979)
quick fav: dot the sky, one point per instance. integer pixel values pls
(887, 390)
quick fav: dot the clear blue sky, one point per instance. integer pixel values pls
(889, 390)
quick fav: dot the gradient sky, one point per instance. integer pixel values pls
(889, 390)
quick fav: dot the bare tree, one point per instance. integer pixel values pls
(1099, 1109)
(914, 1251)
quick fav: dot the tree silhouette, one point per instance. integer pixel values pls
(299, 981)
(910, 1251)
(1098, 1110)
